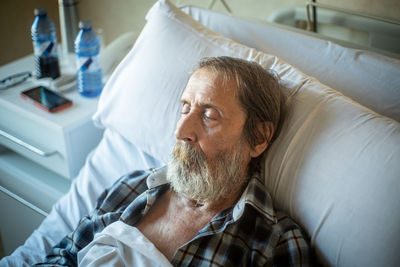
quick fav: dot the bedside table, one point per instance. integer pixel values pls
(40, 153)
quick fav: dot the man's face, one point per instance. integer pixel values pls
(211, 157)
(212, 119)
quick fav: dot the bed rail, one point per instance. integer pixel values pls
(313, 5)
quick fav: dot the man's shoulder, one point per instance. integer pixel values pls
(279, 222)
(259, 198)
(284, 223)
(281, 236)
(267, 218)
(126, 189)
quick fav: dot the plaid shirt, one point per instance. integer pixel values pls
(250, 233)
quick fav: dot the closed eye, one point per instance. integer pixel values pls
(211, 114)
(185, 108)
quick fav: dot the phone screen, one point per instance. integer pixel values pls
(46, 99)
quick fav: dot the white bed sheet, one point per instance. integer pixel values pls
(111, 159)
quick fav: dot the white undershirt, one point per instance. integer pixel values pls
(120, 244)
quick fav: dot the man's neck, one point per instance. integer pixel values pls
(214, 206)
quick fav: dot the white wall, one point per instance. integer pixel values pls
(118, 16)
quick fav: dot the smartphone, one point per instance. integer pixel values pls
(46, 99)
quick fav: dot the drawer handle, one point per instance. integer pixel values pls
(23, 201)
(26, 145)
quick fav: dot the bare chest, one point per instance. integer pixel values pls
(169, 227)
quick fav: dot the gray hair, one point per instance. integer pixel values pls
(258, 91)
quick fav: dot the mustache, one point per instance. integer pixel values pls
(188, 154)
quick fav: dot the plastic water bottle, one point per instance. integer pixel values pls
(87, 49)
(45, 45)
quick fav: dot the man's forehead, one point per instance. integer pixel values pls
(206, 89)
(209, 85)
(205, 76)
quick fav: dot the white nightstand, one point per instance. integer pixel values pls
(40, 153)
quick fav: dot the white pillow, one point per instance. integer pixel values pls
(335, 169)
(311, 170)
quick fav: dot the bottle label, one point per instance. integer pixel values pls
(88, 63)
(47, 48)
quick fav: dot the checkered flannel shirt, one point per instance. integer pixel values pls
(250, 233)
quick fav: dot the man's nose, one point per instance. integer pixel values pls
(186, 129)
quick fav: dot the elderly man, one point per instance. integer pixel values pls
(208, 206)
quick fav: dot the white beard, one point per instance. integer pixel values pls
(191, 175)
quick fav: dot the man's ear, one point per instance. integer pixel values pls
(262, 144)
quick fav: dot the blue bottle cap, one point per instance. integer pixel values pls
(40, 11)
(85, 24)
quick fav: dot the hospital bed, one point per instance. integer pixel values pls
(335, 168)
